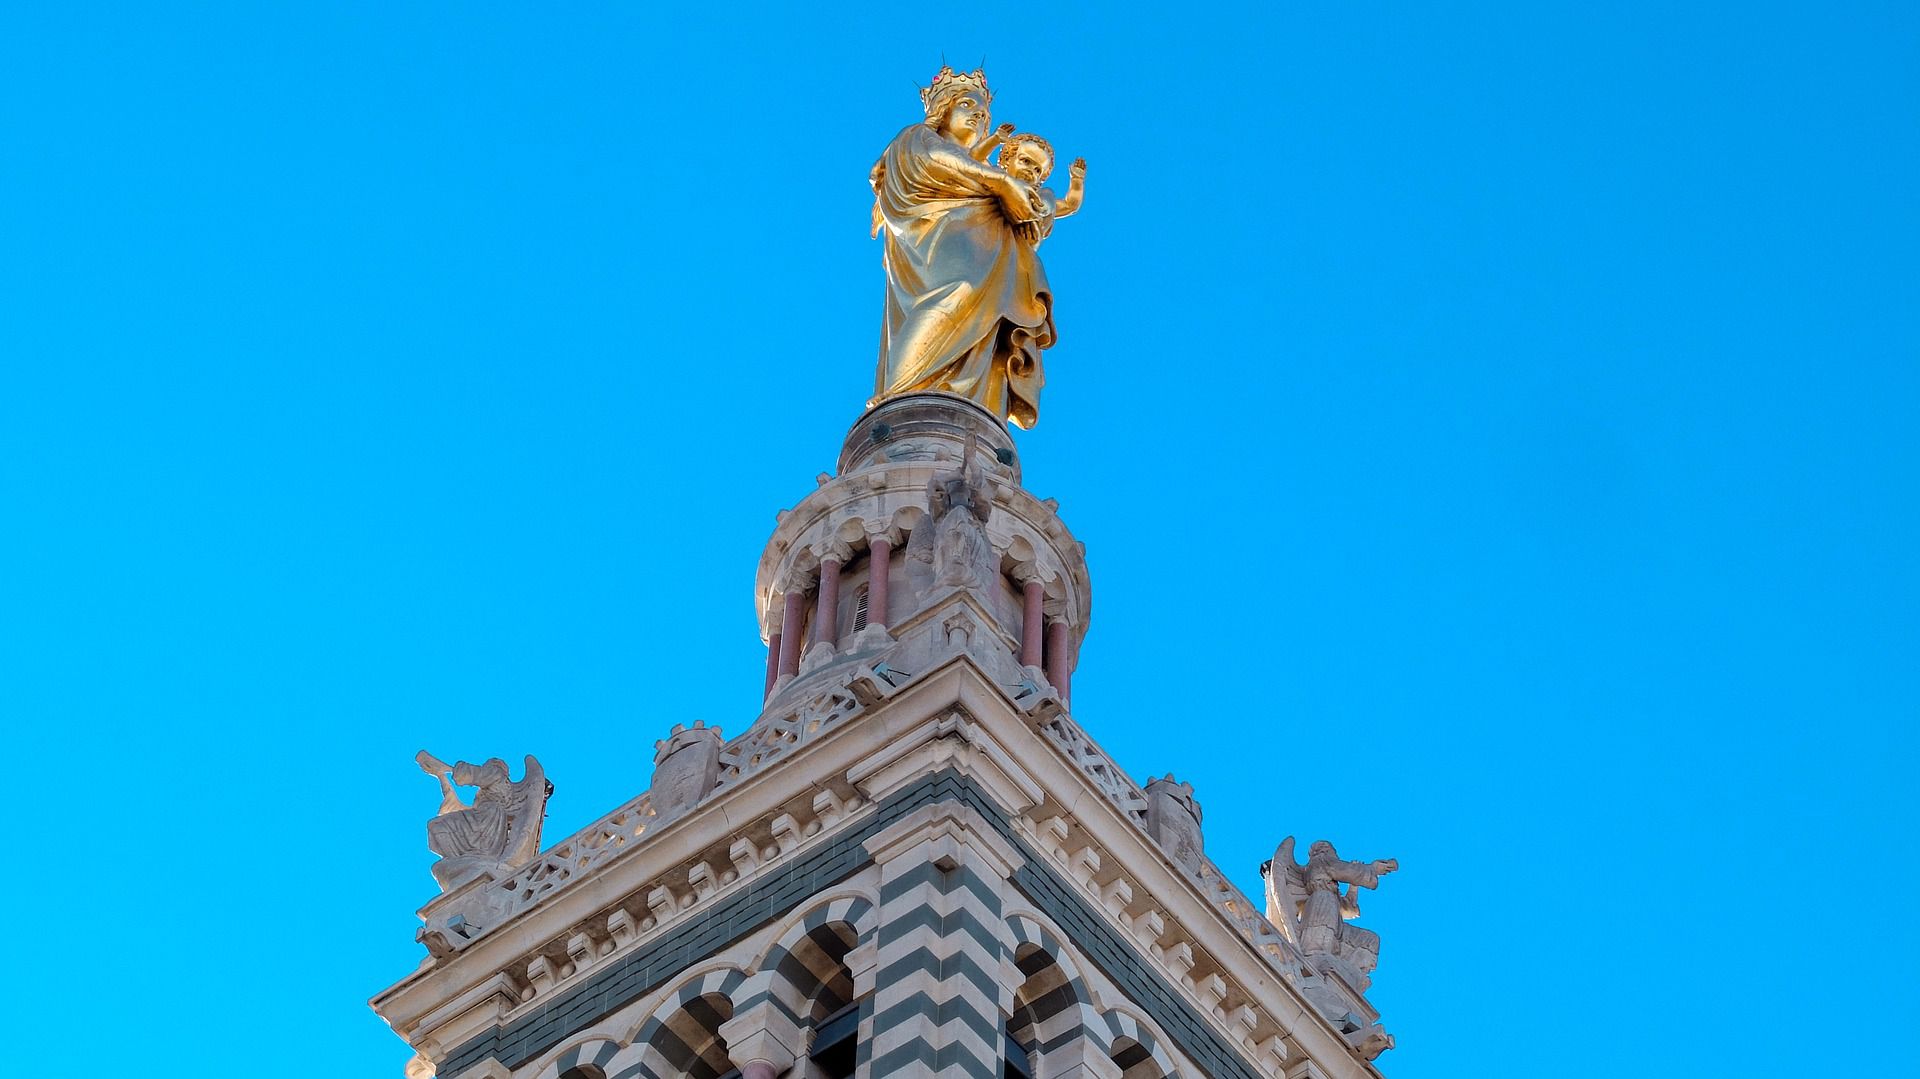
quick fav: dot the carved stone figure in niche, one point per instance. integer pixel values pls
(501, 829)
(1306, 903)
(958, 506)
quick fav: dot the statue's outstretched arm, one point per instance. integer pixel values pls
(439, 769)
(1076, 189)
(1364, 874)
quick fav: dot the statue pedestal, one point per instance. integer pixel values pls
(928, 426)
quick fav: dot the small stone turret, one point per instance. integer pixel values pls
(1173, 816)
(925, 516)
(686, 765)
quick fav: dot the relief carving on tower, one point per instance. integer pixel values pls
(959, 504)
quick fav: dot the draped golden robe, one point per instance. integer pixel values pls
(968, 308)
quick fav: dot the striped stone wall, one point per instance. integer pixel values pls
(947, 962)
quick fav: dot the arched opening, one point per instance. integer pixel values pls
(583, 1071)
(816, 985)
(1134, 1060)
(1045, 1007)
(688, 1042)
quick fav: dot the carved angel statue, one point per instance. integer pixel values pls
(500, 829)
(1306, 904)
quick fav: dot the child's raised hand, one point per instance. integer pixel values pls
(1078, 169)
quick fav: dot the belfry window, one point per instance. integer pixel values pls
(860, 609)
(834, 1042)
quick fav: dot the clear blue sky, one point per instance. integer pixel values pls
(1491, 427)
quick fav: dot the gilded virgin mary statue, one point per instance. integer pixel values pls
(968, 309)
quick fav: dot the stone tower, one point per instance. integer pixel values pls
(913, 862)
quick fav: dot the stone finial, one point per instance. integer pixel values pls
(500, 830)
(1173, 818)
(686, 765)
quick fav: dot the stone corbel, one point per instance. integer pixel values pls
(787, 833)
(1212, 990)
(1276, 1050)
(542, 974)
(623, 928)
(1149, 928)
(1179, 959)
(582, 950)
(745, 856)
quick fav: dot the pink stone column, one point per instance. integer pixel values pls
(1059, 662)
(826, 613)
(758, 1069)
(790, 617)
(879, 558)
(773, 663)
(1032, 625)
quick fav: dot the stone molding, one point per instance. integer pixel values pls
(947, 717)
(958, 808)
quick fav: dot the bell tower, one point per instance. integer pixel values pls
(914, 860)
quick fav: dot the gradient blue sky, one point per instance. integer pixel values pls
(1491, 427)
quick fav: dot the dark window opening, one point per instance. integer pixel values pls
(1013, 1055)
(860, 609)
(835, 1041)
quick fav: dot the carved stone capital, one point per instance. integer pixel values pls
(764, 1035)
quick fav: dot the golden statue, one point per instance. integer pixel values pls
(968, 308)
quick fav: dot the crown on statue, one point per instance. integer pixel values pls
(950, 83)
